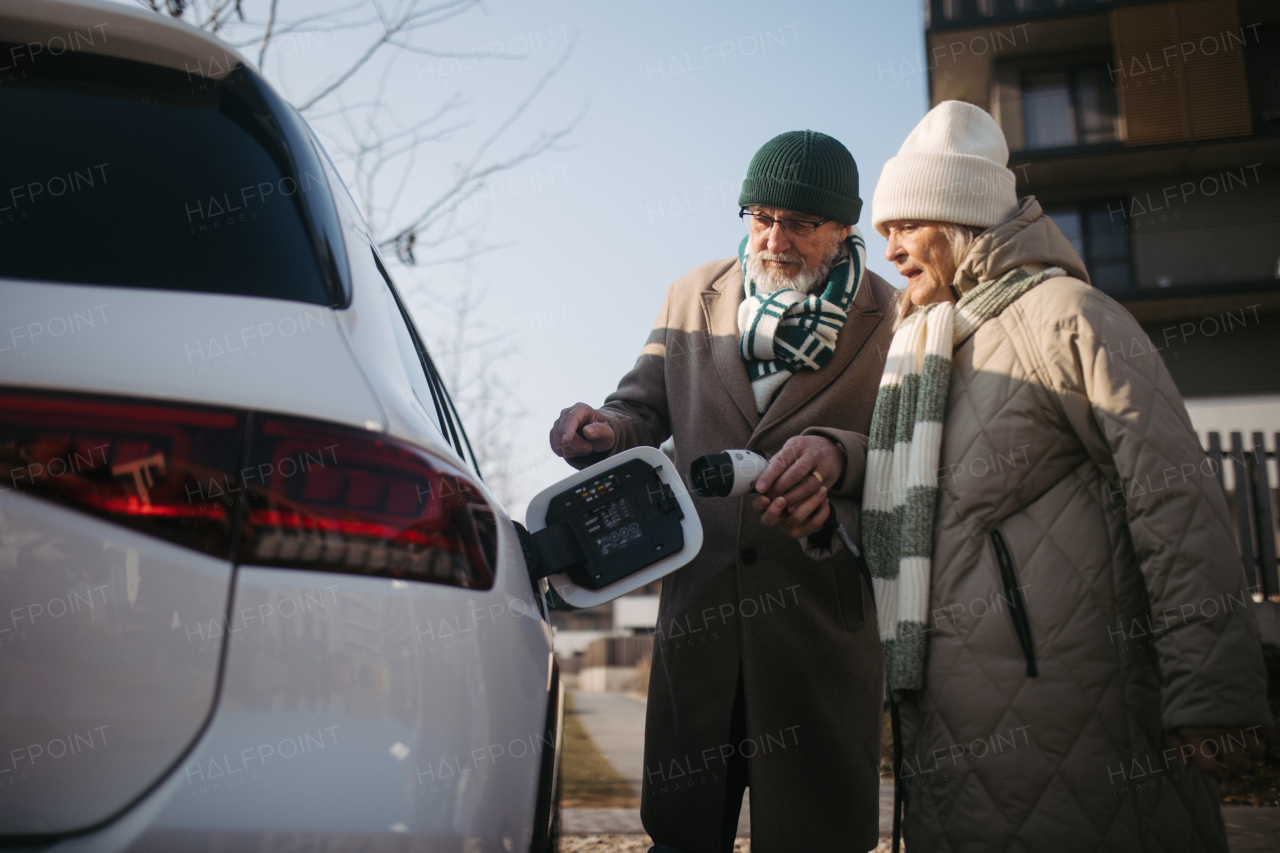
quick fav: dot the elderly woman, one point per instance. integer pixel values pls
(1058, 589)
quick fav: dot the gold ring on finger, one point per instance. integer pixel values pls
(815, 473)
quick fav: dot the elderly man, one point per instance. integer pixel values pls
(767, 669)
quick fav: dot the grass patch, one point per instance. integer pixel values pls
(588, 780)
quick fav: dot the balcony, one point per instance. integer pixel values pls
(945, 15)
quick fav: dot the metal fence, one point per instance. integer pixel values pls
(1252, 500)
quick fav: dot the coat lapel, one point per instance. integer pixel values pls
(864, 314)
(720, 307)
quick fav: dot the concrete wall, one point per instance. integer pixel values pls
(569, 643)
(635, 611)
(607, 679)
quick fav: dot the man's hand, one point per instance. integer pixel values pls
(1216, 751)
(580, 430)
(790, 494)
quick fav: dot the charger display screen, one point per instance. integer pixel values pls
(613, 526)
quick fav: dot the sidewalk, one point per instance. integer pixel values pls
(615, 722)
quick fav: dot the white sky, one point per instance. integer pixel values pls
(679, 96)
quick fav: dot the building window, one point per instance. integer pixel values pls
(1100, 233)
(1262, 64)
(1068, 107)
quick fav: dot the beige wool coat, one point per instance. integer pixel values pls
(1066, 439)
(802, 633)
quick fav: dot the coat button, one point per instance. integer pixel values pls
(748, 555)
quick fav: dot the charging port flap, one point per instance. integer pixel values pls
(613, 527)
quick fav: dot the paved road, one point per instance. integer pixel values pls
(615, 722)
(1252, 830)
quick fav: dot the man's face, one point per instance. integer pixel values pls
(786, 258)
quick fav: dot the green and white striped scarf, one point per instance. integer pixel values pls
(788, 331)
(900, 497)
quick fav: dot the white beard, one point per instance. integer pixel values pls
(806, 281)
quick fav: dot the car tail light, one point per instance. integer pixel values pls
(327, 497)
(309, 495)
(146, 466)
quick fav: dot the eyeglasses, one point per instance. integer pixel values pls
(758, 223)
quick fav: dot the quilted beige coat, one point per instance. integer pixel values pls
(1067, 448)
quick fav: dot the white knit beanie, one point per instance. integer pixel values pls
(950, 169)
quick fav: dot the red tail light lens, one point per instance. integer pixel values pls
(337, 499)
(141, 465)
(311, 495)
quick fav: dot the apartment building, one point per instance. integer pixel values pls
(1150, 132)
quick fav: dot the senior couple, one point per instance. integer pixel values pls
(997, 605)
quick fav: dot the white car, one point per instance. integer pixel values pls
(254, 594)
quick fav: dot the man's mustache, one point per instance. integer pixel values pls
(784, 258)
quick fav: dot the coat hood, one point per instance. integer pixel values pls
(1026, 236)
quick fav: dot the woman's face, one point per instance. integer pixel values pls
(922, 253)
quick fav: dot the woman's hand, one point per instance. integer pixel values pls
(1213, 749)
(803, 520)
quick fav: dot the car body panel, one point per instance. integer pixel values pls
(360, 707)
(368, 326)
(103, 687)
(116, 29)
(238, 351)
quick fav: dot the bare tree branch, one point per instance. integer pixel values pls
(471, 253)
(216, 12)
(384, 141)
(266, 32)
(409, 21)
(470, 176)
(452, 55)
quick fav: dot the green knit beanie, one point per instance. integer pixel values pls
(804, 171)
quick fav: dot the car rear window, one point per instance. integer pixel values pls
(123, 173)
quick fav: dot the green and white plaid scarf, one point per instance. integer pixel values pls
(788, 331)
(900, 497)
